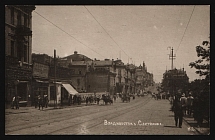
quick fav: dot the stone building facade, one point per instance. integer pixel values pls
(18, 49)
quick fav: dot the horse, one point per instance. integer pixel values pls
(107, 99)
(125, 98)
(97, 99)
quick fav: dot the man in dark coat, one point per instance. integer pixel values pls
(178, 111)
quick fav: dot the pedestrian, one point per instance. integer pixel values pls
(17, 101)
(13, 102)
(178, 111)
(46, 100)
(184, 103)
(87, 99)
(190, 104)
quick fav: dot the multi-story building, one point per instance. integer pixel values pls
(101, 76)
(18, 49)
(120, 73)
(174, 80)
(130, 79)
(78, 78)
(139, 75)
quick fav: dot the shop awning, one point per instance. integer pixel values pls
(70, 89)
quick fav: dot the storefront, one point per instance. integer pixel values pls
(17, 82)
(40, 82)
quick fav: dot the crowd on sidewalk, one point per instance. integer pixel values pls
(187, 106)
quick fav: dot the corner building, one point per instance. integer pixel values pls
(18, 49)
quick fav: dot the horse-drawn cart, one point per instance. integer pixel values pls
(125, 98)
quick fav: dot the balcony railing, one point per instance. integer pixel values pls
(22, 30)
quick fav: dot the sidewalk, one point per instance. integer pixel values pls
(32, 108)
(204, 129)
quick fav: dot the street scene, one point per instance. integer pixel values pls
(107, 70)
(151, 118)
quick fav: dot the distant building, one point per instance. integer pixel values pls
(175, 79)
(120, 74)
(101, 76)
(18, 49)
(78, 78)
(66, 61)
(42, 58)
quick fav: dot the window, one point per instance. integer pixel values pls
(79, 72)
(19, 18)
(25, 53)
(12, 48)
(12, 16)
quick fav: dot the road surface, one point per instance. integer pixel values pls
(142, 116)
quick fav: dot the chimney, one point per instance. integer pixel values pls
(75, 52)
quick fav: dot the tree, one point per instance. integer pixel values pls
(202, 87)
(202, 65)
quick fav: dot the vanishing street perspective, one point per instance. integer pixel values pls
(107, 69)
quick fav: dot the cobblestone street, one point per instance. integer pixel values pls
(142, 116)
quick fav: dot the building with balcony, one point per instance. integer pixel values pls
(101, 76)
(18, 49)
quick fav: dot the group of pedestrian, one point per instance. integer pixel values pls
(41, 101)
(74, 99)
(183, 105)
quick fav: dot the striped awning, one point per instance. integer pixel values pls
(70, 89)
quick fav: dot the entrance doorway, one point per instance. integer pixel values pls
(22, 91)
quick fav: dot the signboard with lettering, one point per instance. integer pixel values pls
(40, 70)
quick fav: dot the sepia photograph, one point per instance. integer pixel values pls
(107, 69)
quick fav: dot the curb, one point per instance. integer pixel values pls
(196, 129)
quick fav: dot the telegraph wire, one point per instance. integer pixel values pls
(67, 33)
(106, 31)
(185, 29)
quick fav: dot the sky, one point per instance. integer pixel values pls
(131, 33)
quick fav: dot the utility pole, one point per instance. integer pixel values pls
(171, 57)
